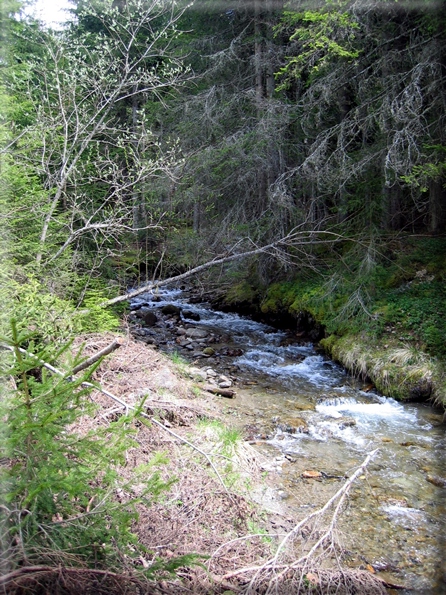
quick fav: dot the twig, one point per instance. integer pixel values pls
(342, 492)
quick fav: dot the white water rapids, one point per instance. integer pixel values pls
(395, 518)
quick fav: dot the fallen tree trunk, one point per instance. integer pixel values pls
(294, 238)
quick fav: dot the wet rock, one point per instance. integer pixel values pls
(140, 332)
(137, 306)
(233, 352)
(196, 333)
(191, 315)
(183, 342)
(436, 480)
(148, 340)
(346, 422)
(170, 309)
(301, 406)
(181, 330)
(292, 425)
(436, 419)
(225, 384)
(393, 501)
(150, 318)
(208, 351)
(197, 373)
(309, 474)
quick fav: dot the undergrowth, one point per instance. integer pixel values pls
(58, 486)
(389, 297)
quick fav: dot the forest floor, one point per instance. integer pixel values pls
(209, 509)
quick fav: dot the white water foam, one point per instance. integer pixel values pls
(402, 515)
(272, 364)
(328, 430)
(385, 408)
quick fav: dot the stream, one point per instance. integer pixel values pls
(308, 417)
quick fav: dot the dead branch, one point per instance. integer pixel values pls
(223, 392)
(94, 358)
(294, 238)
(271, 566)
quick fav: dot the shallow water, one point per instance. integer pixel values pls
(395, 517)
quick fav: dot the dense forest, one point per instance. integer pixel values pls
(293, 152)
(144, 140)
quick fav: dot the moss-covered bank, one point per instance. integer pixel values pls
(380, 312)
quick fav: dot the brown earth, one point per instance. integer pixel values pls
(208, 509)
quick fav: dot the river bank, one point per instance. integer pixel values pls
(313, 422)
(380, 313)
(225, 503)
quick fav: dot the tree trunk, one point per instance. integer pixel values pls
(437, 206)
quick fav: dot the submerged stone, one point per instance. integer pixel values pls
(171, 309)
(196, 333)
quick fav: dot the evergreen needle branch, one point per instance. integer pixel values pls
(127, 407)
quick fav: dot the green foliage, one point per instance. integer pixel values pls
(435, 169)
(241, 292)
(417, 313)
(58, 489)
(97, 318)
(49, 318)
(322, 36)
(395, 292)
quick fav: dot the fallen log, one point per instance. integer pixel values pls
(222, 392)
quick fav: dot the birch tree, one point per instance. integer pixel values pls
(92, 145)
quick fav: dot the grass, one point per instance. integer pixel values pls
(226, 439)
(178, 360)
(400, 372)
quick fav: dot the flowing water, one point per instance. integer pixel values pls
(306, 414)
